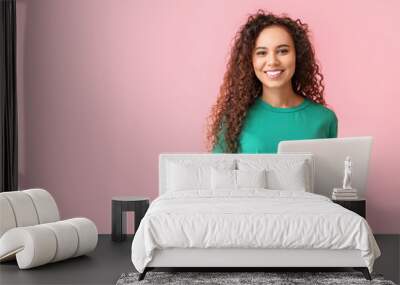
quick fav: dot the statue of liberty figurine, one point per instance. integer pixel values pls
(347, 173)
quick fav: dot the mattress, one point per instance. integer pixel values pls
(250, 219)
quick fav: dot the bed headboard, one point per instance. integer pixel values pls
(165, 157)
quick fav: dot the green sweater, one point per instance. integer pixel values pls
(265, 126)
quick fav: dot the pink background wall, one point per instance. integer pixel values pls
(105, 86)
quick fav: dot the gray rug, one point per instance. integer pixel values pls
(270, 278)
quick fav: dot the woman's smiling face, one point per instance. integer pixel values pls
(274, 57)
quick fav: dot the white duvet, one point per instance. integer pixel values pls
(250, 218)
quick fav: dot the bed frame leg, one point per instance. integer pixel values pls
(364, 271)
(143, 274)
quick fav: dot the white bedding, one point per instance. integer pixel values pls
(250, 218)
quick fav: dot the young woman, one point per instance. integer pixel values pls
(272, 90)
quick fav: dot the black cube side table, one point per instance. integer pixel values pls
(358, 206)
(121, 205)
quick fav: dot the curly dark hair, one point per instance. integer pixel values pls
(241, 87)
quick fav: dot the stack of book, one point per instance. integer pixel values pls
(344, 194)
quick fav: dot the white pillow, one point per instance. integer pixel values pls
(282, 174)
(291, 178)
(187, 174)
(251, 178)
(223, 179)
(236, 179)
(187, 177)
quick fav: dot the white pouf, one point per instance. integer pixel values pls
(31, 232)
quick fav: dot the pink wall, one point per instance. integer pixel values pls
(105, 86)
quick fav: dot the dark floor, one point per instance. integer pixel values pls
(111, 259)
(102, 266)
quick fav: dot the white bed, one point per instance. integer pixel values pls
(249, 227)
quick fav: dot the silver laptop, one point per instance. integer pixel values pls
(329, 155)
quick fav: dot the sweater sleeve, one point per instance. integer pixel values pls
(333, 127)
(220, 145)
